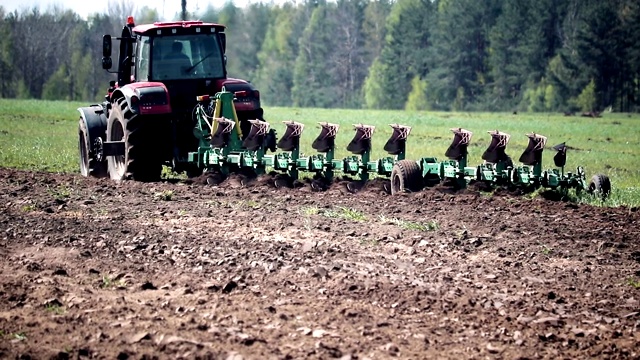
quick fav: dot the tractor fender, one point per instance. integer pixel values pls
(144, 97)
(95, 120)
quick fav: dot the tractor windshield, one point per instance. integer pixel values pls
(193, 56)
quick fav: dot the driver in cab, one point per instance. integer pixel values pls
(180, 63)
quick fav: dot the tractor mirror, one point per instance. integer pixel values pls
(532, 155)
(361, 142)
(291, 138)
(496, 150)
(458, 147)
(326, 140)
(397, 142)
(106, 46)
(106, 52)
(255, 139)
(560, 159)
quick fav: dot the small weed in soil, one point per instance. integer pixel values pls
(59, 192)
(165, 195)
(345, 213)
(108, 282)
(58, 310)
(634, 282)
(411, 225)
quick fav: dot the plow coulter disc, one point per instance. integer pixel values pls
(283, 181)
(355, 186)
(215, 178)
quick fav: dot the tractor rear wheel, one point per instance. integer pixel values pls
(600, 185)
(141, 160)
(406, 176)
(88, 166)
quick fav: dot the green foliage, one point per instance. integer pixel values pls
(634, 283)
(342, 212)
(164, 195)
(551, 99)
(375, 91)
(586, 101)
(417, 99)
(403, 57)
(276, 58)
(460, 70)
(57, 87)
(411, 225)
(312, 75)
(534, 98)
(487, 55)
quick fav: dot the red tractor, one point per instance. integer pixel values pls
(146, 120)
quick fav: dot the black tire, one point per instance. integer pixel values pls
(88, 165)
(600, 185)
(406, 176)
(142, 161)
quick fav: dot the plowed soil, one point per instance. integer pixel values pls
(97, 269)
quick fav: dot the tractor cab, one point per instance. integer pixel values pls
(187, 57)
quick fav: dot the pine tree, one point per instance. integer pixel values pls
(7, 76)
(405, 55)
(461, 48)
(313, 83)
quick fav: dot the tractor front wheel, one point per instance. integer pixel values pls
(141, 160)
(600, 185)
(406, 176)
(88, 166)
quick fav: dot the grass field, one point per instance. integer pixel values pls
(42, 135)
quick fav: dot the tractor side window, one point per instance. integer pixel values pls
(143, 59)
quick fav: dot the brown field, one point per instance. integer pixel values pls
(97, 269)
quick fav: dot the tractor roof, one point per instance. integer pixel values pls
(147, 28)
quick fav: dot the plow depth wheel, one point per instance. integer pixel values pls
(600, 186)
(406, 176)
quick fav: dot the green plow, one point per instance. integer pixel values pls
(498, 169)
(224, 149)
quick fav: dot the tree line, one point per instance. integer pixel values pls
(462, 55)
